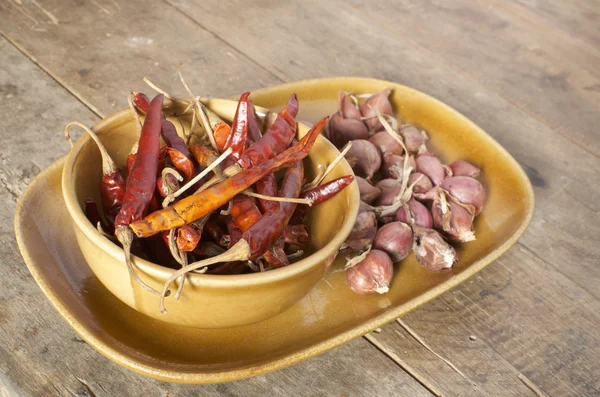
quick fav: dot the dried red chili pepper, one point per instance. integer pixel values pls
(112, 185)
(204, 156)
(216, 232)
(141, 101)
(221, 132)
(244, 212)
(239, 128)
(268, 187)
(188, 237)
(182, 163)
(197, 205)
(296, 235)
(327, 190)
(172, 139)
(277, 138)
(276, 256)
(163, 190)
(141, 182)
(262, 235)
(254, 133)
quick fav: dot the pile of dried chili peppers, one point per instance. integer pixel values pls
(220, 208)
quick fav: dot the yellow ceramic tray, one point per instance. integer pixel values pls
(328, 317)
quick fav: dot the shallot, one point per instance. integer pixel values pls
(368, 192)
(364, 158)
(464, 168)
(395, 239)
(423, 183)
(377, 102)
(372, 274)
(414, 139)
(431, 166)
(342, 131)
(393, 165)
(466, 190)
(432, 251)
(364, 230)
(386, 143)
(453, 218)
(415, 213)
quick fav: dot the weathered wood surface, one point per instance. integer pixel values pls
(524, 71)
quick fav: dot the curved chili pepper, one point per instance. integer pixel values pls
(296, 235)
(221, 132)
(262, 235)
(141, 101)
(188, 238)
(244, 212)
(235, 234)
(239, 128)
(140, 184)
(276, 256)
(327, 190)
(172, 139)
(268, 187)
(173, 182)
(254, 133)
(203, 155)
(214, 229)
(112, 185)
(182, 163)
(277, 138)
(112, 192)
(197, 205)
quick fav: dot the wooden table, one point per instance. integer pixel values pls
(526, 71)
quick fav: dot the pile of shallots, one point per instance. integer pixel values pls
(410, 200)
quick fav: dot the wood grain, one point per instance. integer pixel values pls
(532, 312)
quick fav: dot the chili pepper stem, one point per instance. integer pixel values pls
(229, 208)
(314, 183)
(108, 165)
(228, 172)
(200, 109)
(239, 252)
(308, 202)
(331, 166)
(201, 175)
(125, 237)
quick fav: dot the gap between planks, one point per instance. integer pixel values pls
(464, 73)
(402, 364)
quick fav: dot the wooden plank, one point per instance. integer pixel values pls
(100, 50)
(543, 72)
(40, 355)
(545, 325)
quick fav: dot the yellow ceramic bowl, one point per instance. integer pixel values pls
(208, 301)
